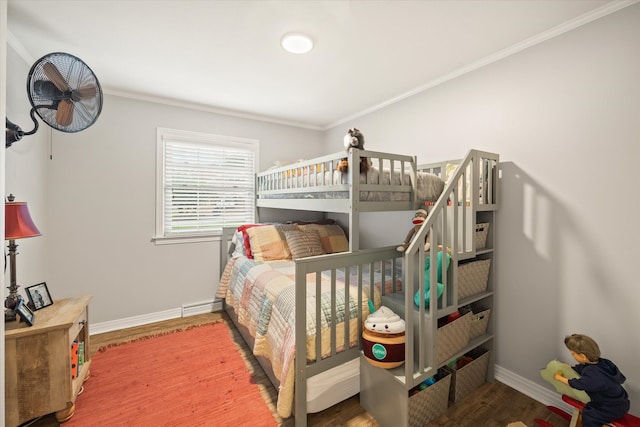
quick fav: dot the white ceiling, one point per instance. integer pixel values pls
(226, 56)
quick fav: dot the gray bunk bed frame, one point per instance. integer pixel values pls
(421, 328)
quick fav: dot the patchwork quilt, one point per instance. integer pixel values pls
(263, 297)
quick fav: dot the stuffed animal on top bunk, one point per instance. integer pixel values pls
(353, 139)
(419, 217)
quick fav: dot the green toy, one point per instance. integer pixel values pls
(554, 367)
(427, 278)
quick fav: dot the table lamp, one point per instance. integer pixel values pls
(17, 225)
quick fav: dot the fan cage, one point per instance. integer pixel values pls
(45, 97)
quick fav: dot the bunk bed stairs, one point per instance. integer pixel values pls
(461, 227)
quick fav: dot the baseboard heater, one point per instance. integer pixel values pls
(201, 307)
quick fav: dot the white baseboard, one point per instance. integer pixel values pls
(545, 395)
(129, 322)
(174, 313)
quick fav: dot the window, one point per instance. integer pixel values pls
(204, 182)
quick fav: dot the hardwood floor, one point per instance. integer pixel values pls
(492, 405)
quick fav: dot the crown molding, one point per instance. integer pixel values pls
(19, 48)
(208, 108)
(570, 25)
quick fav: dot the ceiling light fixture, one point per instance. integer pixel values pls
(297, 43)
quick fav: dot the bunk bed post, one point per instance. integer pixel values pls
(300, 361)
(413, 173)
(353, 179)
(474, 198)
(409, 272)
(225, 240)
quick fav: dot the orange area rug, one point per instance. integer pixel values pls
(194, 377)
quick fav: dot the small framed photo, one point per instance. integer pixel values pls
(39, 296)
(25, 313)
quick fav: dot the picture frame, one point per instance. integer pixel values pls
(39, 296)
(25, 313)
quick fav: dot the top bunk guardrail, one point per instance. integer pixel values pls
(317, 184)
(485, 173)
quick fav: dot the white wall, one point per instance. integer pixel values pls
(102, 184)
(25, 174)
(565, 117)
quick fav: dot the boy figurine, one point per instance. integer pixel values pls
(600, 378)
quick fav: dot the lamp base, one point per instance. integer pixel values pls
(10, 303)
(10, 315)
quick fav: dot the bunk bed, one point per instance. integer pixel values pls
(303, 317)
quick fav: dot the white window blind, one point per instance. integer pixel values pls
(208, 182)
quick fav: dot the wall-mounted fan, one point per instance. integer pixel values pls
(64, 92)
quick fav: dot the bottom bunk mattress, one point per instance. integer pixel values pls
(262, 295)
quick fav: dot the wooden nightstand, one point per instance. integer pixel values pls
(38, 362)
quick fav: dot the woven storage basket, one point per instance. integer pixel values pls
(453, 337)
(479, 323)
(468, 378)
(431, 402)
(473, 277)
(482, 231)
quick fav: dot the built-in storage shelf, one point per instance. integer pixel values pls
(487, 208)
(475, 298)
(399, 373)
(468, 256)
(374, 378)
(484, 251)
(469, 289)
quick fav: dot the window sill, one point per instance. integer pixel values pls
(173, 240)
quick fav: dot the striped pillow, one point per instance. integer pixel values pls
(332, 237)
(304, 244)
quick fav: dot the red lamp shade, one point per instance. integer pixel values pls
(17, 221)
